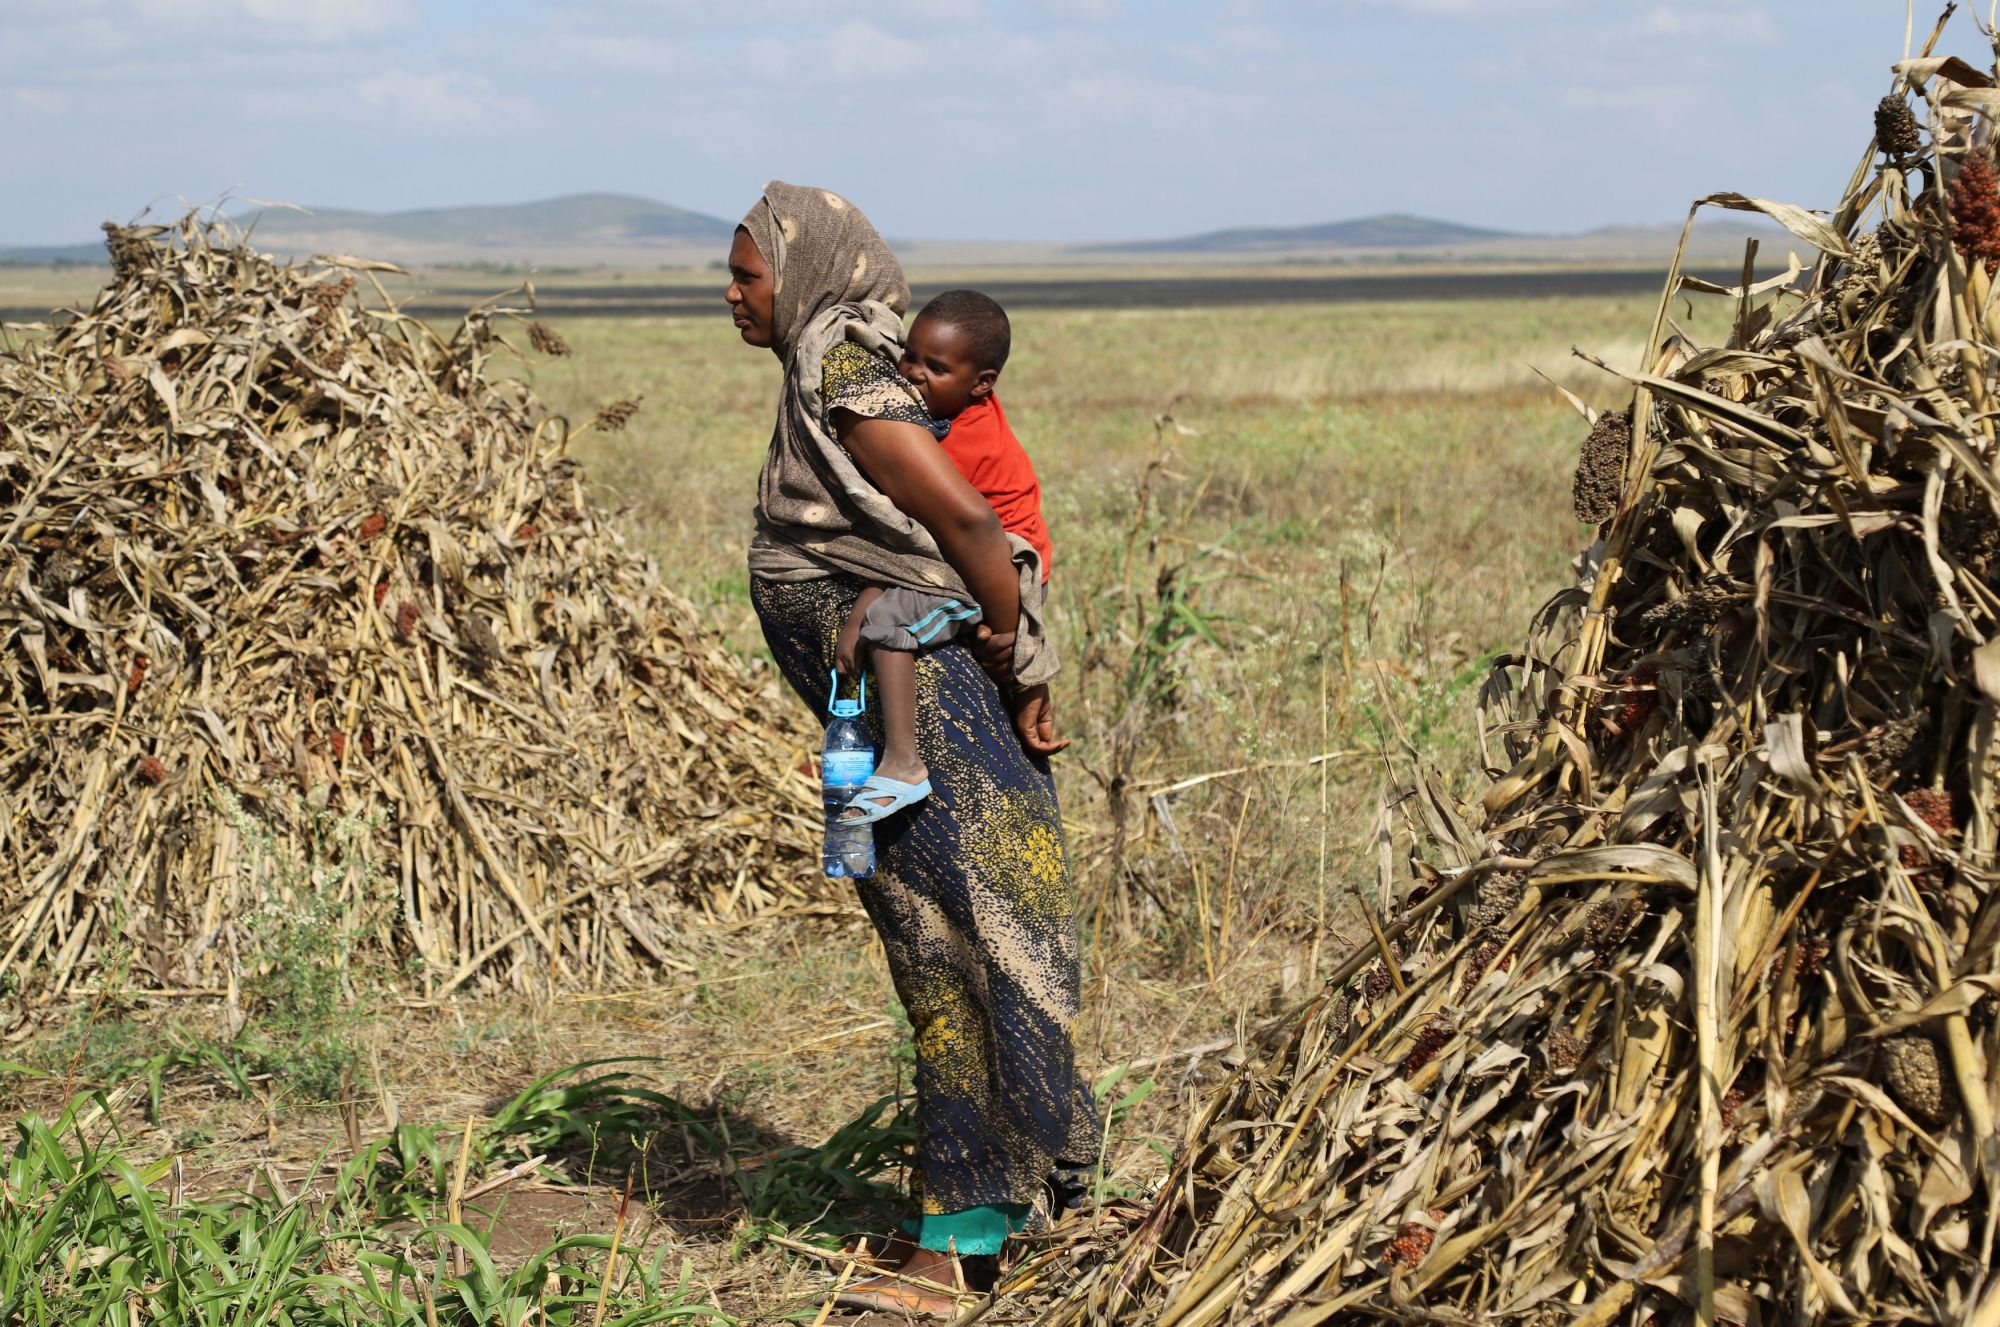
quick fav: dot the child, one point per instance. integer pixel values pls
(953, 357)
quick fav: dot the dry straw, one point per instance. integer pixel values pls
(257, 539)
(1696, 1018)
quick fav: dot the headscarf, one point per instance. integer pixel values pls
(822, 252)
(834, 280)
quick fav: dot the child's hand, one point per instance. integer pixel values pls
(995, 653)
(847, 655)
(847, 650)
(1035, 720)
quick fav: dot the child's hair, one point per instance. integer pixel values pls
(980, 318)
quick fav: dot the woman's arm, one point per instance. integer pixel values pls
(913, 472)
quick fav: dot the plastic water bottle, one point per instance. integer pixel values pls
(846, 759)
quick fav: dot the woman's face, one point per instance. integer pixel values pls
(750, 291)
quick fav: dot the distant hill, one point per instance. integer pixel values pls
(576, 223)
(54, 255)
(627, 230)
(1390, 231)
(566, 220)
(594, 227)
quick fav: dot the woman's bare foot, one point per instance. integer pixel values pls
(888, 1254)
(927, 1285)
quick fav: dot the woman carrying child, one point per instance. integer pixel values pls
(972, 895)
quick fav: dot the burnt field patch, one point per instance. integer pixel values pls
(686, 298)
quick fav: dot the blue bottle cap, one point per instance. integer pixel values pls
(846, 707)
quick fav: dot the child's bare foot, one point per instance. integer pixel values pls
(903, 770)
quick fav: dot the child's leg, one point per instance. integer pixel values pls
(886, 635)
(883, 645)
(896, 683)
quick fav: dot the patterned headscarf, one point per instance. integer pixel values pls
(835, 280)
(822, 252)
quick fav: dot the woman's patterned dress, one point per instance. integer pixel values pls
(972, 896)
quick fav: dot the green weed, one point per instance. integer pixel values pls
(317, 893)
(87, 1237)
(1116, 1113)
(318, 890)
(852, 1181)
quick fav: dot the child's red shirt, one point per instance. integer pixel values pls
(993, 461)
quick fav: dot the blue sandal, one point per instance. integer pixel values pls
(865, 801)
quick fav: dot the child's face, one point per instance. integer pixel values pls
(938, 361)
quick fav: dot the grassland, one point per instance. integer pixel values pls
(1287, 539)
(1357, 503)
(691, 292)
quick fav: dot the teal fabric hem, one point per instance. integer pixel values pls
(947, 614)
(973, 1232)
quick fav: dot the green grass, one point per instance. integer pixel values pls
(1349, 508)
(92, 1233)
(1309, 412)
(94, 1229)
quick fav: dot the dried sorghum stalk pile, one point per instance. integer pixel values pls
(264, 545)
(1696, 1018)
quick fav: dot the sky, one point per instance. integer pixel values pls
(1047, 120)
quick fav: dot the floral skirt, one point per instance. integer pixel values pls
(973, 900)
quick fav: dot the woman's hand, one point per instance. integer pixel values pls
(1035, 720)
(906, 463)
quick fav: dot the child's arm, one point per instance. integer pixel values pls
(913, 472)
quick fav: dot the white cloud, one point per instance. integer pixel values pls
(1077, 11)
(442, 100)
(753, 16)
(332, 20)
(1738, 23)
(1488, 9)
(78, 40)
(41, 101)
(778, 61)
(861, 51)
(931, 13)
(1251, 39)
(623, 54)
(1097, 98)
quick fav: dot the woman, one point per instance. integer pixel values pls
(972, 896)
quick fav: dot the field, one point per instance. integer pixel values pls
(572, 293)
(1288, 538)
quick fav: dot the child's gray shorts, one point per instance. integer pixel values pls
(910, 621)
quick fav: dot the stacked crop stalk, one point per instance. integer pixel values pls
(264, 546)
(1693, 1017)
